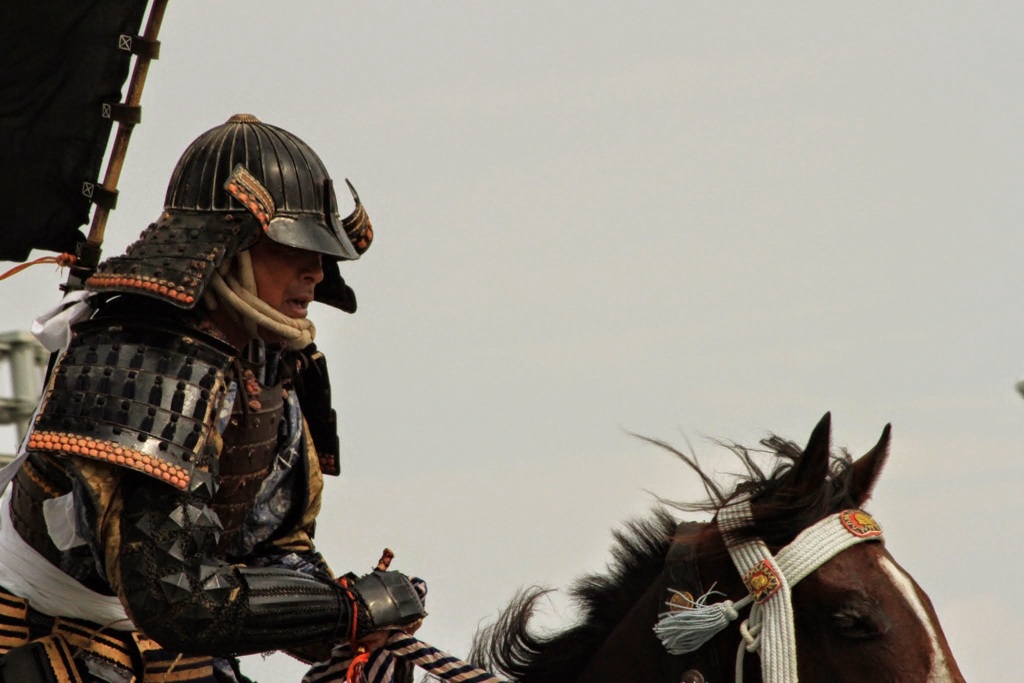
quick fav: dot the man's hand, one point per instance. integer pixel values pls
(378, 639)
(390, 600)
(374, 641)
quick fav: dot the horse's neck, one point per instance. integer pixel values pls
(702, 568)
(633, 652)
(698, 565)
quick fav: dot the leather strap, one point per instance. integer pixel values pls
(139, 45)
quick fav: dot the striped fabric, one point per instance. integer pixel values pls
(59, 652)
(180, 669)
(382, 663)
(101, 644)
(13, 622)
(59, 659)
(400, 647)
(438, 663)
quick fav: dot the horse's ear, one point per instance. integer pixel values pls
(810, 470)
(868, 466)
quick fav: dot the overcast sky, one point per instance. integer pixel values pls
(678, 219)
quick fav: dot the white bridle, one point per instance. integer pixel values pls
(769, 629)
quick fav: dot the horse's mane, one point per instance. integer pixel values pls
(782, 506)
(782, 510)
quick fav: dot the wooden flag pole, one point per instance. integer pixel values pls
(89, 257)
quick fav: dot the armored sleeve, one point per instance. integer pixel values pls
(179, 593)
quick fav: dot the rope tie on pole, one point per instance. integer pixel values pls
(62, 261)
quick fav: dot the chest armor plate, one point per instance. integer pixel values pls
(250, 445)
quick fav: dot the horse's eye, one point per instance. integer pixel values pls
(860, 622)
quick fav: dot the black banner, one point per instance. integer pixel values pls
(61, 61)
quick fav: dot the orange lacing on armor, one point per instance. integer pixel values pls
(62, 261)
(143, 282)
(30, 471)
(112, 453)
(254, 196)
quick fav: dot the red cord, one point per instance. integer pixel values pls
(343, 582)
(355, 669)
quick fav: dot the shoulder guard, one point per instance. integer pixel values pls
(136, 395)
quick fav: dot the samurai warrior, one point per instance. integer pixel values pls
(160, 520)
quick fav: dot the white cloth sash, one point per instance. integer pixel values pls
(26, 573)
(23, 571)
(53, 330)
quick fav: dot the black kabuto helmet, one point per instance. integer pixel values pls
(234, 183)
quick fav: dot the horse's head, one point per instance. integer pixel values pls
(852, 612)
(860, 616)
(857, 616)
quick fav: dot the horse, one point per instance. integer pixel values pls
(856, 616)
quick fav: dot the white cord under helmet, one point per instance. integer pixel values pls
(234, 286)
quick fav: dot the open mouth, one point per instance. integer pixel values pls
(298, 307)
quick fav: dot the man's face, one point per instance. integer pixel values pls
(285, 276)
